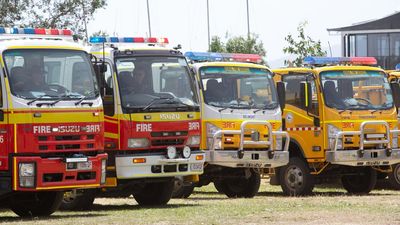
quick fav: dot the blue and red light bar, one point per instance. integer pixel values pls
(98, 40)
(215, 56)
(35, 31)
(397, 67)
(313, 60)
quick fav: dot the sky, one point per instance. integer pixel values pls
(185, 21)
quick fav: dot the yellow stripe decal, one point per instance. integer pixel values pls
(357, 121)
(15, 173)
(15, 138)
(70, 186)
(110, 135)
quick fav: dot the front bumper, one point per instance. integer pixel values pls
(250, 159)
(52, 173)
(368, 157)
(158, 166)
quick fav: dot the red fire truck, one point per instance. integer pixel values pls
(51, 120)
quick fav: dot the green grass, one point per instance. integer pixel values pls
(206, 206)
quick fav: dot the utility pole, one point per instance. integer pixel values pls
(208, 25)
(148, 17)
(248, 21)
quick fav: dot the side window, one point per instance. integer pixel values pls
(292, 83)
(108, 98)
(109, 80)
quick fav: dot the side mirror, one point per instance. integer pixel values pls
(396, 93)
(305, 96)
(317, 122)
(280, 86)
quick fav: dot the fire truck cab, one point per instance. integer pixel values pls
(51, 120)
(152, 118)
(342, 120)
(241, 122)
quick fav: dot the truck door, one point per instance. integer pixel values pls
(302, 124)
(6, 130)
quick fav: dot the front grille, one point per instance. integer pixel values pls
(66, 142)
(67, 137)
(169, 134)
(162, 142)
(67, 147)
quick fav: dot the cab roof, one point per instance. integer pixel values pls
(38, 43)
(317, 70)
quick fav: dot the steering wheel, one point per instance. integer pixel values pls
(365, 100)
(58, 88)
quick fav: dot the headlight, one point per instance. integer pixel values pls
(138, 142)
(211, 130)
(186, 152)
(332, 131)
(26, 174)
(171, 152)
(279, 141)
(103, 171)
(193, 140)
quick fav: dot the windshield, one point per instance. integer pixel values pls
(50, 73)
(155, 83)
(356, 90)
(238, 87)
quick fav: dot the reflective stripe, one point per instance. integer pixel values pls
(304, 128)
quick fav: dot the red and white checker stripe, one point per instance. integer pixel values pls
(303, 128)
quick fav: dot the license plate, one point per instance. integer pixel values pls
(196, 167)
(375, 135)
(79, 165)
(373, 163)
(85, 165)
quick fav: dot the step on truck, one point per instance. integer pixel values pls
(342, 120)
(152, 120)
(241, 122)
(51, 120)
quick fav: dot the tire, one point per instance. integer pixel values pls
(295, 178)
(184, 191)
(361, 183)
(241, 187)
(153, 194)
(394, 177)
(36, 204)
(78, 200)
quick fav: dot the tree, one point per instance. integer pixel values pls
(217, 45)
(70, 14)
(11, 10)
(238, 44)
(100, 33)
(302, 47)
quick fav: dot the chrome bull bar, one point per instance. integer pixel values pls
(365, 157)
(243, 142)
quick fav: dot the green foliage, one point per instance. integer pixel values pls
(217, 45)
(100, 33)
(11, 11)
(302, 47)
(71, 14)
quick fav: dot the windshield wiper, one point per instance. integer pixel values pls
(80, 101)
(154, 100)
(240, 106)
(272, 105)
(222, 108)
(40, 98)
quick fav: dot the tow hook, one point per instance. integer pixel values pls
(240, 154)
(388, 152)
(360, 153)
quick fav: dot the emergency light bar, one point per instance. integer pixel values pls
(34, 31)
(313, 60)
(97, 40)
(215, 56)
(397, 67)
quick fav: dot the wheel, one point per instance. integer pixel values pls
(362, 182)
(245, 186)
(155, 193)
(78, 199)
(184, 191)
(35, 204)
(295, 178)
(394, 177)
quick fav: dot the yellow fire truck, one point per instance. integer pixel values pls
(51, 120)
(241, 122)
(342, 120)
